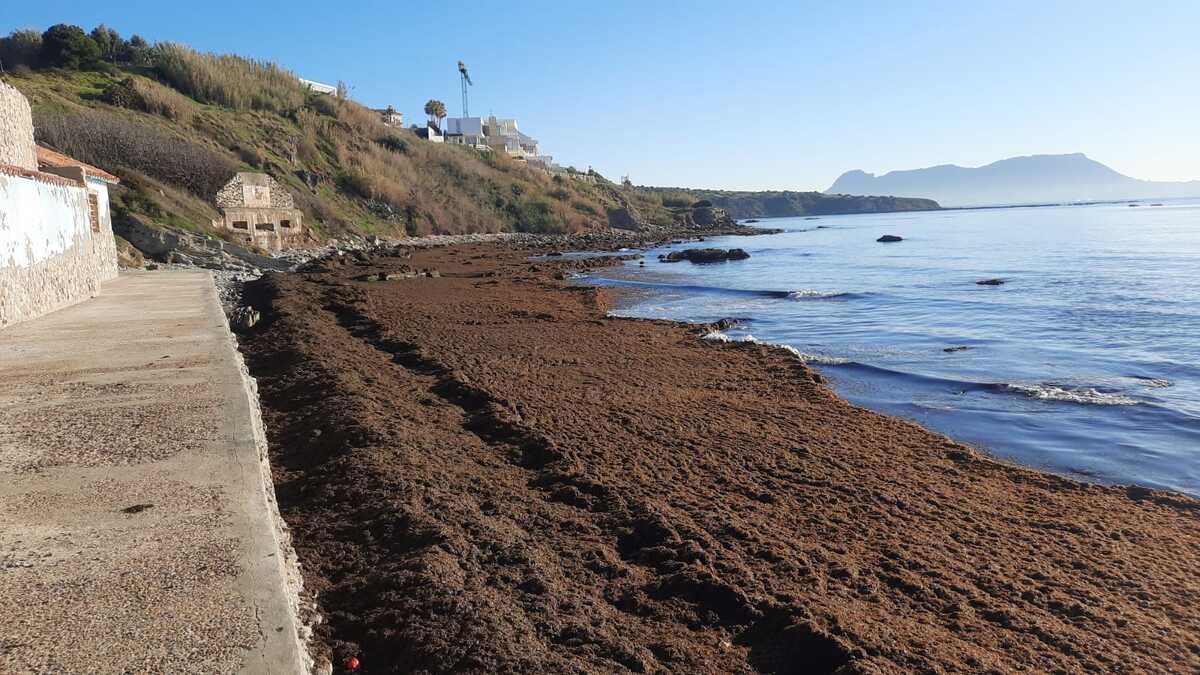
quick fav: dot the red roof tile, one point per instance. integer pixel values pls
(47, 157)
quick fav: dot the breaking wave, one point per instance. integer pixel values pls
(1045, 391)
(1153, 382)
(1053, 392)
(718, 336)
(819, 359)
(810, 294)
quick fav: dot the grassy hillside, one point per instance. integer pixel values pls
(175, 124)
(776, 204)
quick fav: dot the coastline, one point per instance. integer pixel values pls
(484, 472)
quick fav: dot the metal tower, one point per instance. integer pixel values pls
(466, 82)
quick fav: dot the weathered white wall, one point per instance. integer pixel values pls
(104, 244)
(50, 257)
(100, 189)
(39, 220)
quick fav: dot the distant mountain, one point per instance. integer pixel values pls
(786, 203)
(1035, 179)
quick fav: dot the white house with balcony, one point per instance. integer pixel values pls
(503, 134)
(500, 134)
(391, 117)
(466, 131)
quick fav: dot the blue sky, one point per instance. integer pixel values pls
(741, 95)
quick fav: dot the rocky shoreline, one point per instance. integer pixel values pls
(484, 472)
(232, 268)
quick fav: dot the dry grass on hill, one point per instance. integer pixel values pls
(189, 119)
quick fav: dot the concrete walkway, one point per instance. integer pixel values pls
(137, 532)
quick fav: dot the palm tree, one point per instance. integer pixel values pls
(436, 111)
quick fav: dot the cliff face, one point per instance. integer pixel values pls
(1018, 180)
(771, 204)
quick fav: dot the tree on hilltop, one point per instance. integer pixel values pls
(112, 46)
(21, 48)
(137, 51)
(436, 111)
(67, 46)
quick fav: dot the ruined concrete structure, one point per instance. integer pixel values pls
(258, 211)
(56, 241)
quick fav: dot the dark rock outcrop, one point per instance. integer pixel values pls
(991, 282)
(704, 218)
(889, 238)
(184, 248)
(727, 323)
(243, 319)
(705, 255)
(623, 219)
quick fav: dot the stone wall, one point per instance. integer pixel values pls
(52, 254)
(231, 194)
(280, 197)
(16, 130)
(257, 190)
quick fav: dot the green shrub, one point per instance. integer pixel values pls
(585, 208)
(394, 143)
(677, 200)
(536, 215)
(356, 183)
(251, 155)
(325, 105)
(139, 93)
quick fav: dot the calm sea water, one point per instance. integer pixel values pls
(1085, 362)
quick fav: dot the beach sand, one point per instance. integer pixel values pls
(484, 473)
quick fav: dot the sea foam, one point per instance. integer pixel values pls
(811, 294)
(1085, 395)
(819, 359)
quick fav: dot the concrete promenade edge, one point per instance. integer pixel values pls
(138, 525)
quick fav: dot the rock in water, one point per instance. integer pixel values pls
(888, 238)
(727, 323)
(705, 255)
(991, 282)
